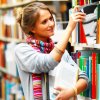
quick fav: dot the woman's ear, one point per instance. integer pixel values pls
(33, 31)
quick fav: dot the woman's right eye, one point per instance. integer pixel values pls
(51, 18)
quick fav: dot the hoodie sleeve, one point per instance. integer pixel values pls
(30, 60)
(69, 59)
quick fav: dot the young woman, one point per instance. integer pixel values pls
(38, 55)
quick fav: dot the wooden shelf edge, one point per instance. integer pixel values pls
(6, 72)
(53, 0)
(15, 5)
(5, 6)
(11, 40)
(95, 46)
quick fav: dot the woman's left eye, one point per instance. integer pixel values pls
(44, 22)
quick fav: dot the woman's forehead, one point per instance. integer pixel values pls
(43, 14)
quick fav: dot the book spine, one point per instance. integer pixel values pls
(90, 75)
(81, 2)
(82, 34)
(94, 75)
(2, 54)
(87, 72)
(3, 89)
(81, 65)
(98, 24)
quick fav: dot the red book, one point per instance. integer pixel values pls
(2, 54)
(81, 2)
(94, 74)
(78, 54)
(82, 34)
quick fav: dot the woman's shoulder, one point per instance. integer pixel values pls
(24, 44)
(21, 47)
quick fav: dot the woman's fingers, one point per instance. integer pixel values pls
(59, 88)
(78, 16)
(76, 9)
(80, 13)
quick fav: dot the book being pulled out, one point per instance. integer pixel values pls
(64, 75)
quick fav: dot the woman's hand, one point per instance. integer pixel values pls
(76, 16)
(64, 94)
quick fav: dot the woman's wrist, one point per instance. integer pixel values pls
(75, 91)
(71, 26)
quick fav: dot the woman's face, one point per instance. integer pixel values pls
(44, 26)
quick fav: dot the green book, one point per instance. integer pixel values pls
(98, 58)
(82, 66)
(98, 81)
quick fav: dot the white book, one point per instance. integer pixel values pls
(64, 75)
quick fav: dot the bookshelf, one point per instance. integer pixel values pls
(85, 39)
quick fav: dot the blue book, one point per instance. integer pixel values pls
(9, 85)
(90, 75)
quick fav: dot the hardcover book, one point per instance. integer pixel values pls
(90, 23)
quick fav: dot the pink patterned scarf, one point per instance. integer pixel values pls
(44, 47)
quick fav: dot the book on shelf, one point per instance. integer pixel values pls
(89, 62)
(64, 75)
(88, 31)
(90, 22)
(80, 2)
(98, 81)
(2, 54)
(10, 61)
(84, 66)
(94, 75)
(98, 23)
(2, 87)
(9, 28)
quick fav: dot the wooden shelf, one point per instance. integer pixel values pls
(6, 72)
(3, 7)
(11, 40)
(81, 45)
(15, 5)
(83, 98)
(53, 0)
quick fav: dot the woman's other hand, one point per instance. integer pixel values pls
(64, 94)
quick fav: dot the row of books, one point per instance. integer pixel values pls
(80, 2)
(88, 32)
(7, 60)
(89, 61)
(10, 88)
(8, 26)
